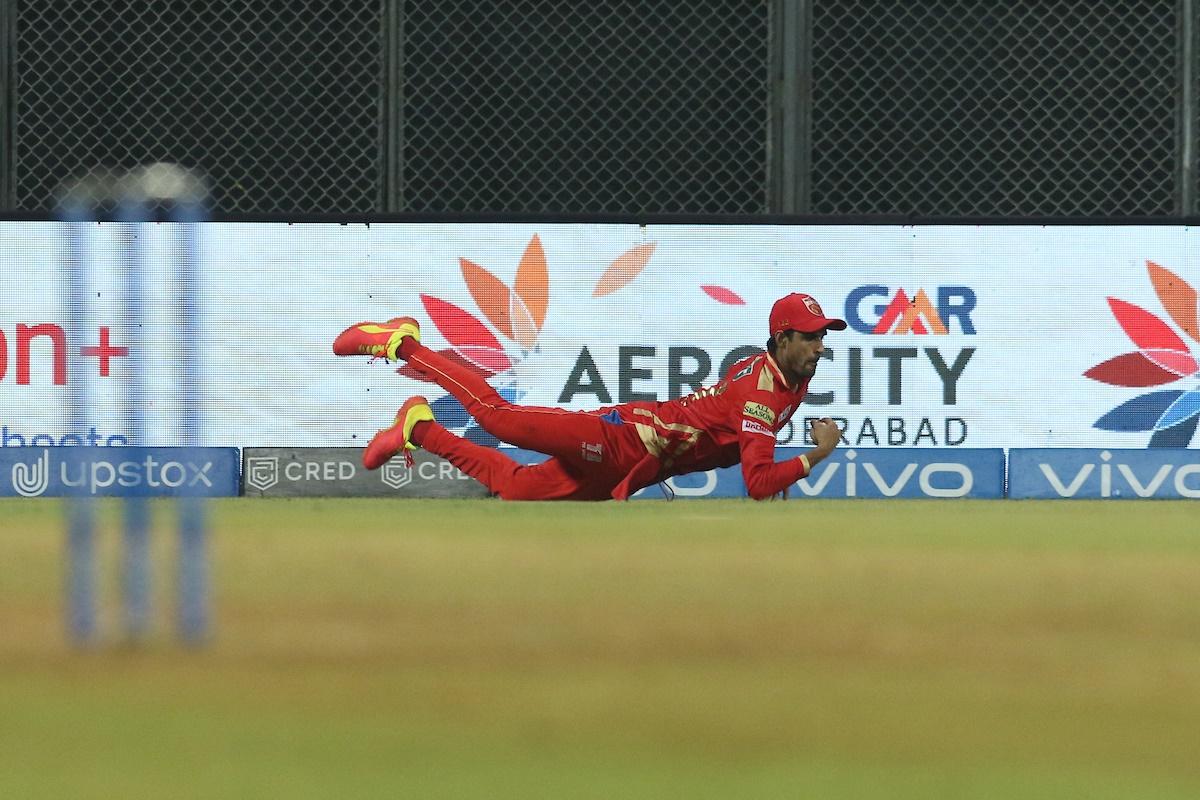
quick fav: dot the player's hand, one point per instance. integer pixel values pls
(826, 434)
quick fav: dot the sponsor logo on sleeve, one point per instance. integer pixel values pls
(760, 412)
(750, 426)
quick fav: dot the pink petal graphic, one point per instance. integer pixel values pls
(1146, 330)
(489, 358)
(1131, 369)
(461, 329)
(410, 371)
(627, 267)
(723, 295)
(1182, 364)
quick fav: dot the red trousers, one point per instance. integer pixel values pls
(591, 457)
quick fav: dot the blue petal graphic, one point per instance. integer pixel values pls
(1186, 407)
(1139, 414)
(449, 412)
(478, 435)
(510, 393)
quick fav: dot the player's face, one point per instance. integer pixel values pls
(798, 354)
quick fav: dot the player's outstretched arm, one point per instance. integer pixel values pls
(765, 477)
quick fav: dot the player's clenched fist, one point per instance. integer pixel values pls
(825, 434)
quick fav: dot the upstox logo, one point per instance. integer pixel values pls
(118, 471)
(31, 480)
(878, 309)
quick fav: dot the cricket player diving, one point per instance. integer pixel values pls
(614, 451)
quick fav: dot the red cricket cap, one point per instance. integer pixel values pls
(800, 312)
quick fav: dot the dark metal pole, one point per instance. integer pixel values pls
(790, 129)
(8, 103)
(391, 97)
(1187, 108)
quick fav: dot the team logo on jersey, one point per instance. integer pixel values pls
(759, 412)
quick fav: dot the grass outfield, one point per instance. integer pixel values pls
(695, 649)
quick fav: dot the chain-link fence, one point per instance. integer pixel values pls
(541, 105)
(277, 103)
(944, 107)
(1036, 107)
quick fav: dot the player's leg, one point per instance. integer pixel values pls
(554, 431)
(415, 427)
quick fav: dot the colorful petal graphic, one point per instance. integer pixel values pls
(1139, 414)
(723, 295)
(1131, 369)
(414, 373)
(490, 294)
(1146, 330)
(627, 267)
(489, 358)
(458, 327)
(409, 371)
(479, 436)
(525, 328)
(1182, 364)
(1183, 409)
(449, 412)
(1178, 298)
(533, 283)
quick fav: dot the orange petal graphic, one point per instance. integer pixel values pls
(1177, 296)
(490, 294)
(533, 283)
(627, 267)
(525, 329)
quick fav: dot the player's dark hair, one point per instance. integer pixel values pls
(771, 346)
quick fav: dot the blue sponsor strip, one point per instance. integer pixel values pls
(119, 472)
(1158, 473)
(854, 472)
(902, 472)
(724, 482)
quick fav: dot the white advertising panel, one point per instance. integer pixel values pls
(960, 336)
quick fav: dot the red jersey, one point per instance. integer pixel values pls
(734, 420)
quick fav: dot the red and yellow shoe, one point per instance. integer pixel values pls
(376, 339)
(390, 441)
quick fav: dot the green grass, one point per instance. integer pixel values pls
(698, 649)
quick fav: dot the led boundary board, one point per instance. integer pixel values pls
(957, 335)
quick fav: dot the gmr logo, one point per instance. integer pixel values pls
(899, 313)
(32, 480)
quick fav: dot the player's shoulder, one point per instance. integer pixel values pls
(747, 367)
(757, 374)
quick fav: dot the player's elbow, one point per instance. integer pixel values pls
(759, 492)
